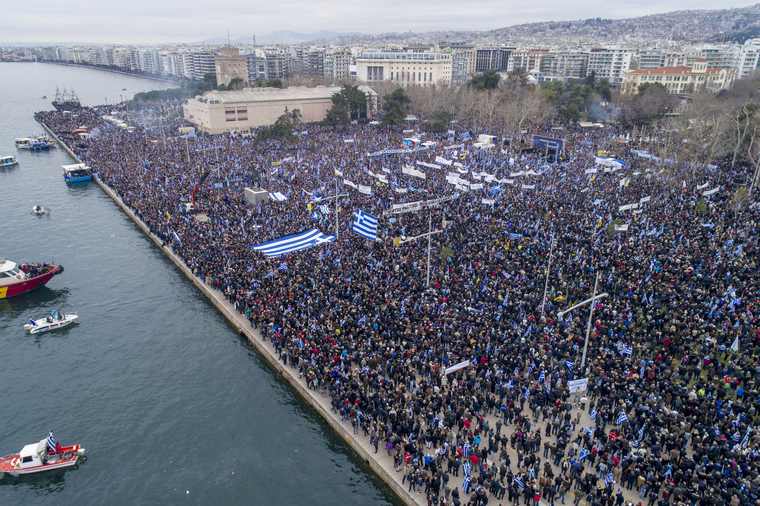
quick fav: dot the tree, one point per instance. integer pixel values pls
(650, 104)
(282, 128)
(395, 107)
(439, 121)
(485, 81)
(236, 84)
(349, 104)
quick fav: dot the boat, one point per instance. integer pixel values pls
(33, 143)
(76, 173)
(8, 161)
(53, 321)
(66, 100)
(45, 455)
(39, 211)
(19, 279)
(45, 139)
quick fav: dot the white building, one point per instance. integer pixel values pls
(405, 68)
(749, 59)
(224, 111)
(609, 63)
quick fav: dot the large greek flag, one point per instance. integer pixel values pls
(294, 242)
(365, 225)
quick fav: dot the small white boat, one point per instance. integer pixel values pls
(54, 321)
(8, 161)
(39, 211)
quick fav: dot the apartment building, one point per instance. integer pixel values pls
(609, 63)
(681, 80)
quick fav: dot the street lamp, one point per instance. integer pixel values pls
(590, 315)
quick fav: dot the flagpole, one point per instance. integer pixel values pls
(430, 240)
(546, 280)
(336, 208)
(588, 325)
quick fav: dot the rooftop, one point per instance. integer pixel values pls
(268, 94)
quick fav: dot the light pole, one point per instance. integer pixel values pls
(590, 315)
(429, 234)
(546, 279)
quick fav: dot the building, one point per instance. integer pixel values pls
(526, 60)
(611, 64)
(277, 62)
(681, 80)
(201, 64)
(462, 63)
(229, 65)
(749, 59)
(224, 111)
(492, 59)
(337, 65)
(405, 67)
(564, 65)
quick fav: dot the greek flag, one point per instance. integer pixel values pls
(518, 481)
(745, 439)
(52, 443)
(589, 431)
(541, 377)
(293, 242)
(641, 433)
(624, 349)
(593, 414)
(569, 364)
(609, 479)
(466, 450)
(466, 484)
(622, 418)
(467, 468)
(277, 196)
(365, 225)
(583, 454)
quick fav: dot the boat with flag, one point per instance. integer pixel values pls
(53, 321)
(45, 455)
(19, 279)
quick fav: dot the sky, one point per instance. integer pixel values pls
(168, 21)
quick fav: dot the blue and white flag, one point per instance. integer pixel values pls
(583, 454)
(519, 482)
(641, 433)
(569, 364)
(52, 443)
(277, 197)
(745, 439)
(593, 414)
(622, 418)
(466, 484)
(467, 468)
(293, 242)
(542, 377)
(589, 431)
(365, 225)
(609, 479)
(624, 349)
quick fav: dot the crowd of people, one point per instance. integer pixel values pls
(669, 416)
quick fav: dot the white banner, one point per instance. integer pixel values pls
(703, 186)
(455, 368)
(338, 173)
(591, 171)
(711, 192)
(488, 202)
(621, 228)
(367, 190)
(579, 385)
(476, 186)
(411, 171)
(627, 207)
(350, 183)
(644, 200)
(528, 187)
(400, 190)
(428, 165)
(443, 161)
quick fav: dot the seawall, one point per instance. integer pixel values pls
(381, 464)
